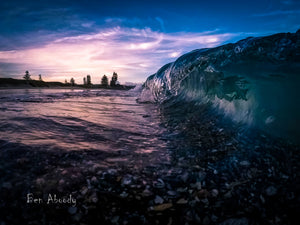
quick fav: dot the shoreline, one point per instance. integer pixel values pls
(67, 88)
(10, 83)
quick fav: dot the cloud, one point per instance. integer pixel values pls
(156, 23)
(161, 22)
(29, 25)
(174, 54)
(7, 67)
(134, 53)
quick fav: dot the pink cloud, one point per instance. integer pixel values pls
(133, 53)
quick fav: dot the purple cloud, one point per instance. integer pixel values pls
(134, 53)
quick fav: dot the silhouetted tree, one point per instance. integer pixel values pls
(104, 80)
(40, 77)
(72, 81)
(84, 81)
(114, 79)
(88, 80)
(66, 82)
(27, 75)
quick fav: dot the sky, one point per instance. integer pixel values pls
(61, 39)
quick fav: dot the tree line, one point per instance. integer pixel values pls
(104, 80)
(87, 82)
(27, 76)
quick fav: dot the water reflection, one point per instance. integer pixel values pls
(103, 120)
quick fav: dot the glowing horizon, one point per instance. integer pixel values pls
(132, 53)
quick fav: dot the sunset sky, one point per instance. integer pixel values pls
(61, 39)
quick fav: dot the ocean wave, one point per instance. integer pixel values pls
(253, 82)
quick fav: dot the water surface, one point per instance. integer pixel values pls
(72, 120)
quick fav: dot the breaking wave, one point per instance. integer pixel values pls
(254, 82)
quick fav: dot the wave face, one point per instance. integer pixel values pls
(253, 82)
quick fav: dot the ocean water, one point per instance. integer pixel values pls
(78, 120)
(137, 163)
(115, 125)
